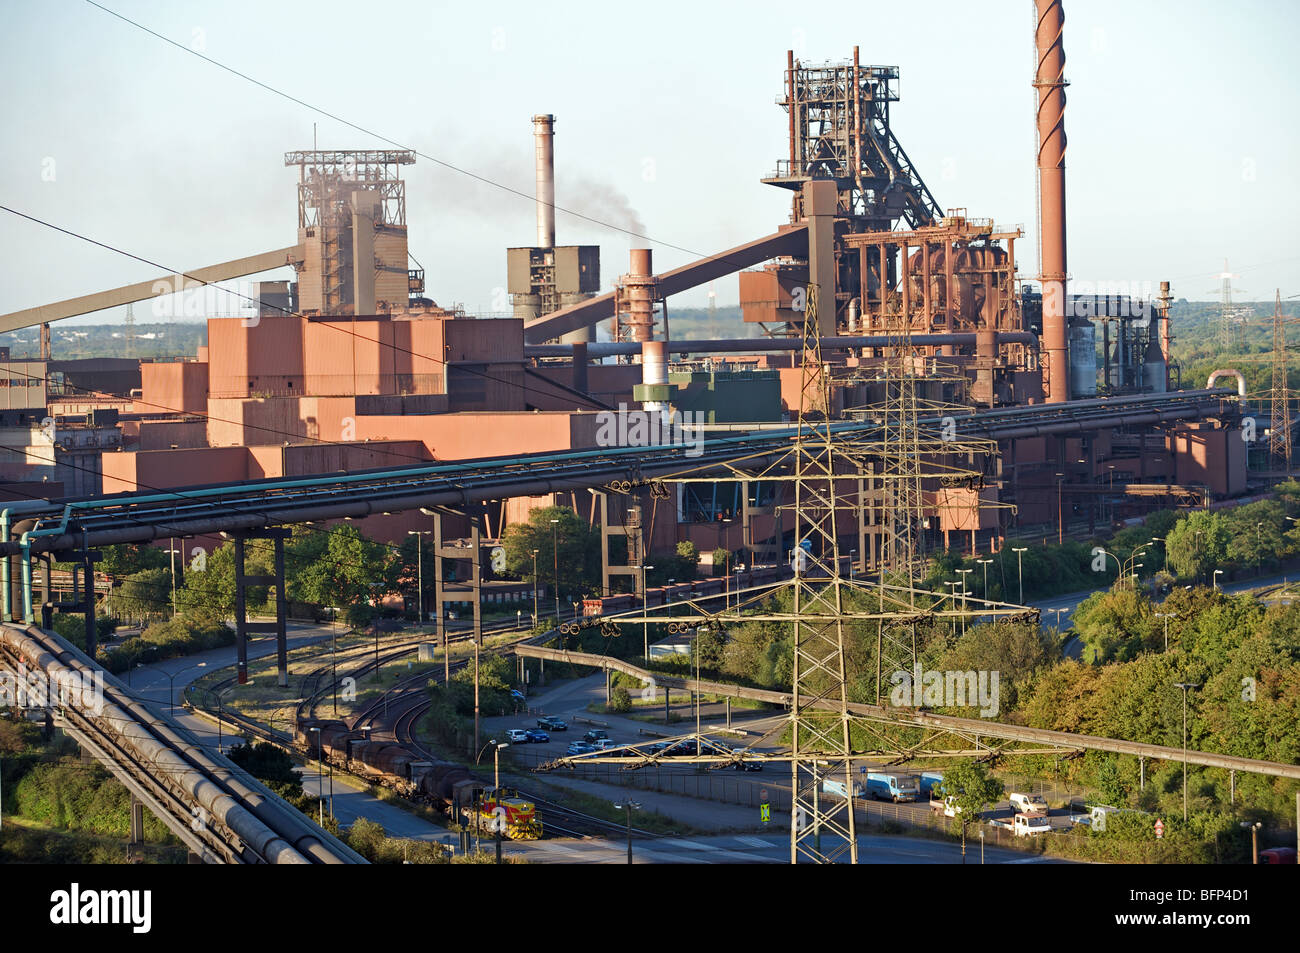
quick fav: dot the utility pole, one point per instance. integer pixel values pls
(1185, 686)
(555, 551)
(476, 714)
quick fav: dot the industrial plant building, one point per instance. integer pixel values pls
(352, 365)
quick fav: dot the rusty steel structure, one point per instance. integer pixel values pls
(839, 132)
(821, 466)
(352, 227)
(638, 301)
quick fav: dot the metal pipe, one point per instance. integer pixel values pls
(1049, 80)
(764, 345)
(544, 138)
(1229, 372)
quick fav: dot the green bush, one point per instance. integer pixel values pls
(183, 635)
(72, 628)
(620, 700)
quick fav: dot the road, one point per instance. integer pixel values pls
(765, 848)
(746, 841)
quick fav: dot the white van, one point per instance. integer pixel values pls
(1029, 803)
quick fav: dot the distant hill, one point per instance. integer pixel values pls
(75, 342)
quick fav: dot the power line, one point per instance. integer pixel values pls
(330, 321)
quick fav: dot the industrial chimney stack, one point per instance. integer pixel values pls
(1049, 80)
(544, 136)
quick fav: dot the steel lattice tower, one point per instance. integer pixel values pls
(1280, 425)
(903, 509)
(819, 734)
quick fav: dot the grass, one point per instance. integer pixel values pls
(24, 840)
(601, 807)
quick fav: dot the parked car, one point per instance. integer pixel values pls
(580, 747)
(605, 744)
(748, 766)
(596, 734)
(536, 736)
(518, 735)
(552, 724)
(682, 748)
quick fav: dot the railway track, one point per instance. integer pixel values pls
(406, 703)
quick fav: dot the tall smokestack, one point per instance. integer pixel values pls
(1049, 80)
(544, 135)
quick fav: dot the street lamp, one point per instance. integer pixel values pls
(1217, 574)
(1020, 569)
(171, 682)
(172, 555)
(320, 778)
(1060, 521)
(1185, 686)
(1166, 616)
(985, 563)
(1259, 552)
(629, 804)
(1254, 839)
(221, 714)
(496, 766)
(535, 587)
(419, 566)
(555, 551)
(645, 626)
(1161, 539)
(963, 573)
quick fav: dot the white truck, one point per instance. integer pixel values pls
(1029, 803)
(1025, 824)
(830, 786)
(1096, 816)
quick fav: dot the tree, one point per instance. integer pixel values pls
(144, 595)
(972, 790)
(211, 591)
(352, 572)
(126, 559)
(578, 550)
(413, 562)
(1198, 544)
(1016, 650)
(688, 559)
(1115, 624)
(1112, 787)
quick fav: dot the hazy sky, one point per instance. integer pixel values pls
(1183, 144)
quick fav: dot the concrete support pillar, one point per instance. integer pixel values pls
(243, 580)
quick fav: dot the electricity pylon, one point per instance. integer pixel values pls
(1280, 426)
